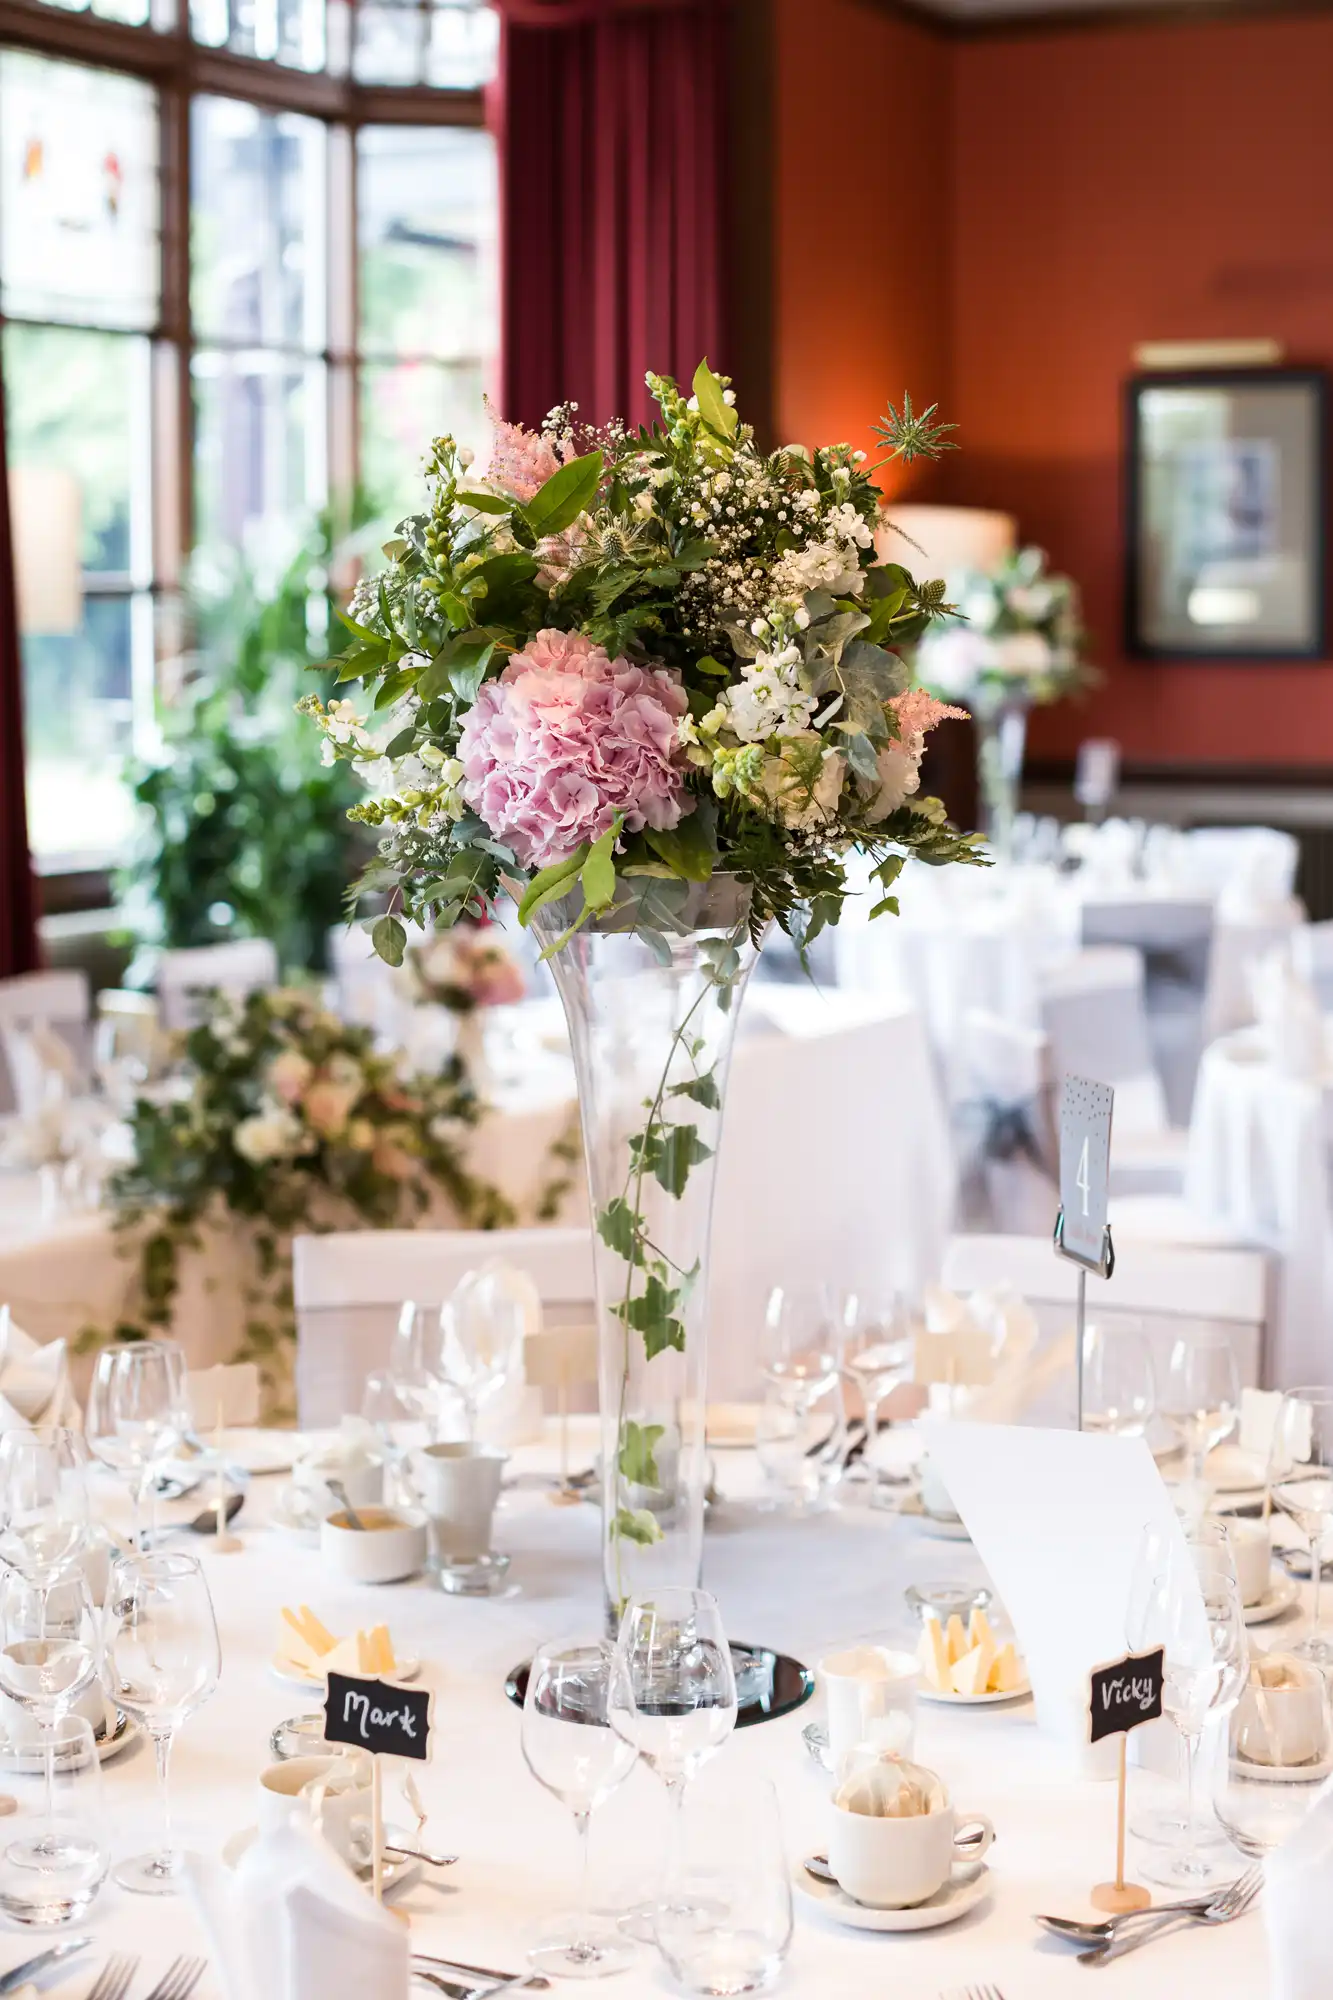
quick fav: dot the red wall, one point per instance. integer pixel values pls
(861, 218)
(1088, 189)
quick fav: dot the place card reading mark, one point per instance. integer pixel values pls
(374, 1715)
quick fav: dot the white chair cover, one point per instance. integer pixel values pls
(1003, 1128)
(1312, 956)
(55, 1000)
(1175, 939)
(184, 978)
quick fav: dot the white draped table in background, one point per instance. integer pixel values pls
(800, 1586)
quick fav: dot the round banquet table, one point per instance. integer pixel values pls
(802, 1586)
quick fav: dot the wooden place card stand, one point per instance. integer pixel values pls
(1123, 1694)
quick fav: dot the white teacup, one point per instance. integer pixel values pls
(310, 1496)
(1284, 1726)
(459, 1484)
(892, 1864)
(870, 1695)
(1252, 1552)
(300, 1788)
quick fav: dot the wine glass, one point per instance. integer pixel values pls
(575, 1686)
(802, 1344)
(138, 1413)
(162, 1661)
(1119, 1389)
(1197, 1621)
(879, 1350)
(680, 1700)
(1300, 1474)
(1202, 1394)
(397, 1429)
(416, 1364)
(481, 1340)
(64, 1880)
(44, 1513)
(726, 1922)
(50, 1651)
(1279, 1750)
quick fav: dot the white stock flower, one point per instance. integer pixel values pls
(848, 526)
(821, 566)
(769, 699)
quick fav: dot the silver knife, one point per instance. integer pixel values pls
(533, 1981)
(21, 1973)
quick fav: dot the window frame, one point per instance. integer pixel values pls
(180, 69)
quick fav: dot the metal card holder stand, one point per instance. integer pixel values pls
(1103, 1268)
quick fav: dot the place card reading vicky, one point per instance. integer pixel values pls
(1057, 1517)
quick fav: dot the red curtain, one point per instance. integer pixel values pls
(611, 126)
(18, 900)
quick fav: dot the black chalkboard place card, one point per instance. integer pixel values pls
(1122, 1695)
(375, 1715)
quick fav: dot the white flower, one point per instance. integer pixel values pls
(769, 699)
(980, 607)
(847, 525)
(786, 785)
(272, 1134)
(899, 768)
(1021, 653)
(820, 566)
(954, 661)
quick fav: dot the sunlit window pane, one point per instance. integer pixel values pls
(78, 193)
(285, 31)
(80, 707)
(257, 232)
(260, 453)
(464, 47)
(389, 37)
(134, 12)
(402, 409)
(426, 229)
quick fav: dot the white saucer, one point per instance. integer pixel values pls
(1281, 1774)
(913, 1509)
(1228, 1469)
(259, 1451)
(966, 1888)
(118, 1732)
(1282, 1594)
(406, 1670)
(952, 1700)
(397, 1874)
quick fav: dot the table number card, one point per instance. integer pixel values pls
(1123, 1694)
(375, 1715)
(1085, 1161)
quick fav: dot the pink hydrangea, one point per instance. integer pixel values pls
(564, 740)
(521, 461)
(918, 711)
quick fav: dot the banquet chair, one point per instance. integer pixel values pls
(1171, 1288)
(1003, 1125)
(186, 977)
(348, 1288)
(1093, 1011)
(367, 991)
(1312, 957)
(1176, 941)
(227, 1394)
(1260, 859)
(835, 1163)
(58, 1001)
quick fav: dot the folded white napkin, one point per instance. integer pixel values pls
(291, 1923)
(1298, 1910)
(34, 1380)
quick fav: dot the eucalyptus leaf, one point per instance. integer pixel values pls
(389, 939)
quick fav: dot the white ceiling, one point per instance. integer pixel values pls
(980, 10)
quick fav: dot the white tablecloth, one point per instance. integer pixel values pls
(799, 1586)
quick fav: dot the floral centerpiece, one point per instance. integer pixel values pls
(646, 682)
(466, 969)
(284, 1118)
(1022, 645)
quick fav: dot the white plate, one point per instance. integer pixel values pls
(731, 1426)
(291, 1676)
(259, 1451)
(118, 1734)
(1230, 1470)
(397, 1874)
(1282, 1594)
(962, 1893)
(951, 1700)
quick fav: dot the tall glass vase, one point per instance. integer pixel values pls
(651, 990)
(1001, 736)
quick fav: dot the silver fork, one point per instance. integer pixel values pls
(982, 1993)
(112, 1982)
(1224, 1909)
(180, 1979)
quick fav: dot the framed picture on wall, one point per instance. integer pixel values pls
(1225, 531)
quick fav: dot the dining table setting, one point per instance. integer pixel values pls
(294, 1713)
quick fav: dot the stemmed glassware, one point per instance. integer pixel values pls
(60, 1883)
(162, 1661)
(575, 1689)
(1202, 1394)
(680, 1701)
(1119, 1388)
(877, 1355)
(1300, 1476)
(481, 1341)
(50, 1651)
(802, 1345)
(44, 1510)
(138, 1413)
(1192, 1610)
(416, 1365)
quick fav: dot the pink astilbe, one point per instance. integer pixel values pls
(521, 461)
(564, 740)
(918, 711)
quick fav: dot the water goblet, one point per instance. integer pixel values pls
(50, 1651)
(879, 1349)
(162, 1662)
(138, 1413)
(1119, 1388)
(571, 1746)
(44, 1510)
(482, 1327)
(725, 1922)
(416, 1365)
(1300, 1476)
(61, 1882)
(803, 1338)
(1202, 1394)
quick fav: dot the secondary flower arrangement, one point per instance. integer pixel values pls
(648, 683)
(288, 1119)
(1022, 639)
(465, 969)
(652, 654)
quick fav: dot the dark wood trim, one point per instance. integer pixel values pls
(1057, 19)
(750, 175)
